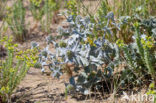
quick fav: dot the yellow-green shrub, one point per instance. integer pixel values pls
(14, 67)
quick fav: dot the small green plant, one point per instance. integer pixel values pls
(2, 8)
(3, 26)
(16, 20)
(72, 7)
(144, 45)
(121, 44)
(42, 11)
(36, 9)
(14, 67)
(142, 48)
(78, 7)
(152, 91)
(48, 8)
(148, 43)
(103, 11)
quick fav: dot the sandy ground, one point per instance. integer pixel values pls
(38, 88)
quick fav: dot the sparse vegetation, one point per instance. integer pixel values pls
(109, 50)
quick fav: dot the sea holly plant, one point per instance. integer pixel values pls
(80, 47)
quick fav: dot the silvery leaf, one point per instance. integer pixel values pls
(84, 61)
(96, 60)
(110, 15)
(42, 70)
(34, 45)
(49, 39)
(86, 92)
(72, 81)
